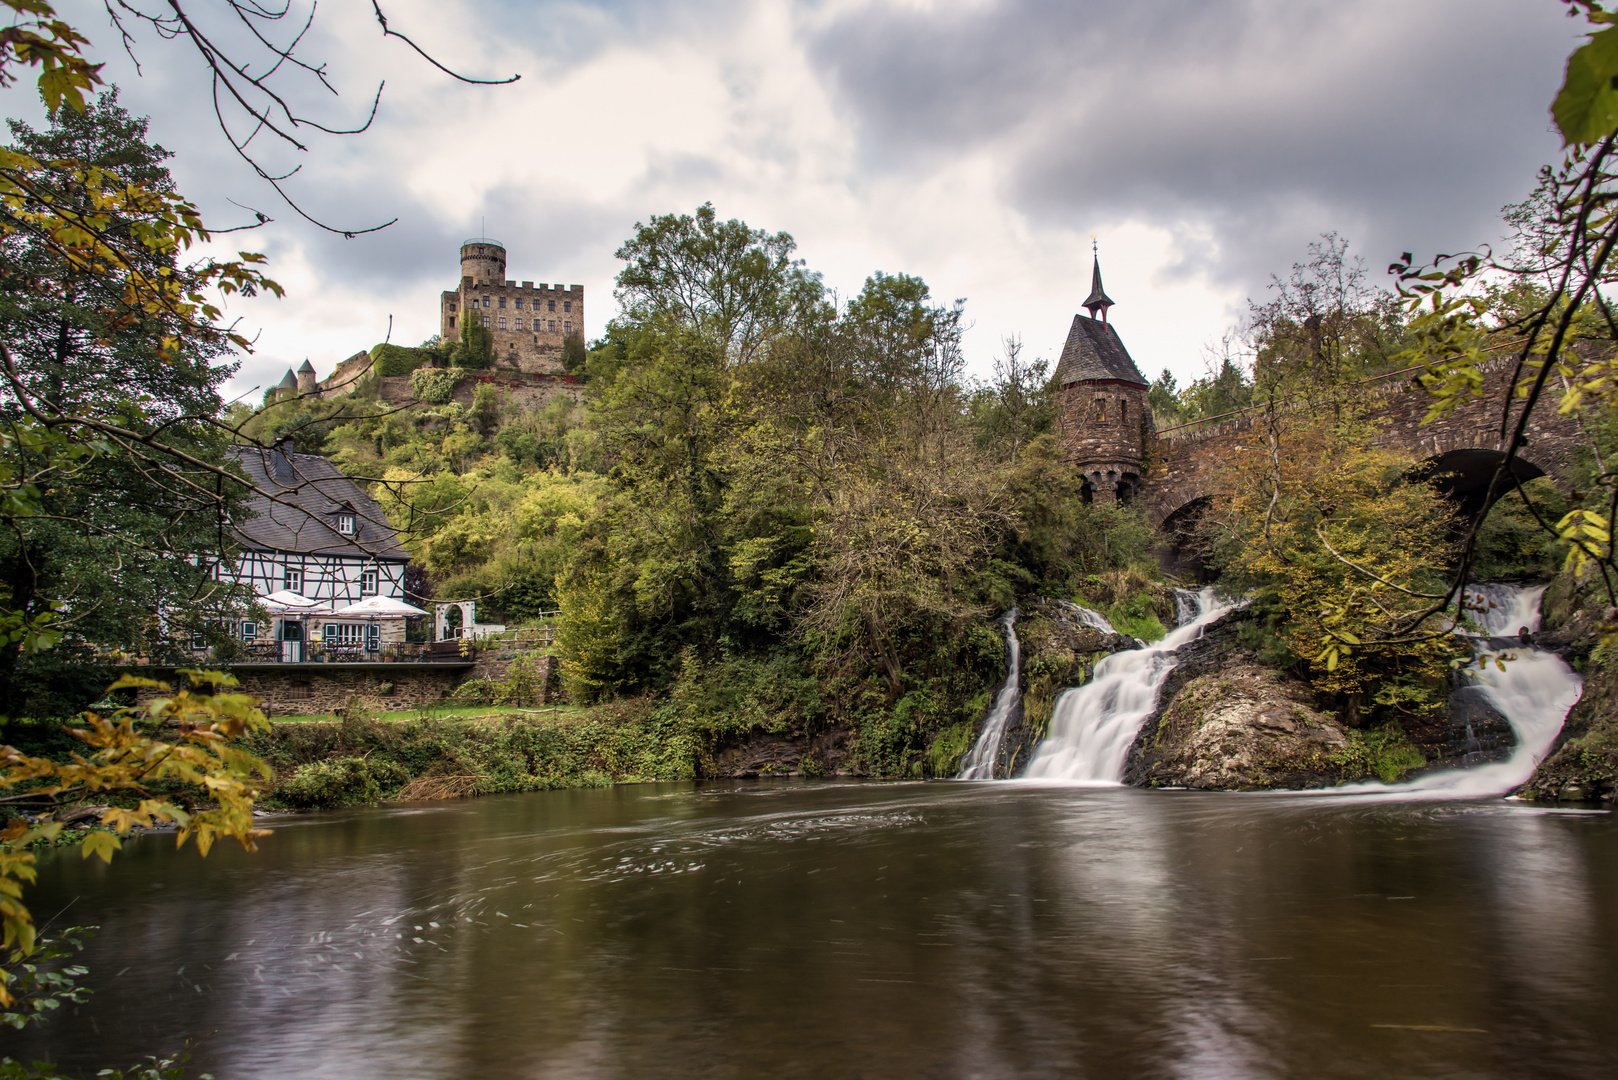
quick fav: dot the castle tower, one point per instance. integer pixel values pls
(1105, 421)
(306, 378)
(484, 261)
(527, 323)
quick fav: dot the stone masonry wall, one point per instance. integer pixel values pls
(1183, 466)
(320, 688)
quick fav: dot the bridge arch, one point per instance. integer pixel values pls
(1182, 554)
(1463, 476)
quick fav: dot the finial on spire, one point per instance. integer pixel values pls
(1098, 299)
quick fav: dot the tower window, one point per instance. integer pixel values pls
(452, 322)
(1101, 410)
(567, 305)
(551, 326)
(502, 322)
(1123, 410)
(502, 302)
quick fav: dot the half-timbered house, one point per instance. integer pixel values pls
(314, 544)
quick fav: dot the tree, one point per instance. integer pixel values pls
(734, 286)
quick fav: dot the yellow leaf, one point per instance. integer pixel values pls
(102, 844)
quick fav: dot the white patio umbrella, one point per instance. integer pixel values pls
(284, 601)
(379, 605)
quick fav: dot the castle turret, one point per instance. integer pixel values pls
(1106, 423)
(306, 378)
(484, 261)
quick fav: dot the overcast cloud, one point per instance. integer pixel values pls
(976, 143)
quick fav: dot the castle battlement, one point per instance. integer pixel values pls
(527, 321)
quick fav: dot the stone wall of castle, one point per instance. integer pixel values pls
(527, 321)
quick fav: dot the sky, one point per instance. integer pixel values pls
(979, 144)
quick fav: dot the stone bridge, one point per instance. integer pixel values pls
(1183, 465)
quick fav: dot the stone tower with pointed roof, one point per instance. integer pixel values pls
(1105, 423)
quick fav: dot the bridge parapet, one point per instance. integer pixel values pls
(1184, 462)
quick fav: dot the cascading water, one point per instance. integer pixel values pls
(1085, 617)
(1093, 725)
(979, 764)
(1533, 693)
(1187, 606)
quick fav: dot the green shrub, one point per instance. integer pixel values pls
(337, 781)
(398, 359)
(435, 386)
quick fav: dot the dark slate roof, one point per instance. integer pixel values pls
(288, 381)
(316, 491)
(306, 366)
(1094, 351)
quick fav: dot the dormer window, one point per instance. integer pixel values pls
(345, 524)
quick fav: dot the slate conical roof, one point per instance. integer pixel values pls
(307, 366)
(1098, 297)
(288, 381)
(1095, 351)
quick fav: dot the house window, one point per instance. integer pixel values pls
(550, 305)
(293, 582)
(342, 633)
(249, 631)
(368, 583)
(345, 524)
(567, 305)
(567, 326)
(551, 326)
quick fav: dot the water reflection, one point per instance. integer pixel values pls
(865, 930)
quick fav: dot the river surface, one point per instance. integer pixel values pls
(735, 929)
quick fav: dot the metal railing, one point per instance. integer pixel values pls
(312, 652)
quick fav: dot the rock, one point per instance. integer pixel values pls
(1476, 732)
(1571, 793)
(1245, 726)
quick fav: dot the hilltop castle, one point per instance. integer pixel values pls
(1105, 424)
(527, 321)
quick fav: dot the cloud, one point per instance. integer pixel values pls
(978, 143)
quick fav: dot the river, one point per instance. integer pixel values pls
(733, 929)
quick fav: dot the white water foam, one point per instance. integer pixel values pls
(979, 764)
(1093, 725)
(1533, 693)
(1085, 617)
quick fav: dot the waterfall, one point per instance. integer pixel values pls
(979, 764)
(1187, 606)
(1085, 617)
(1533, 693)
(1093, 725)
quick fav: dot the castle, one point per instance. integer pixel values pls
(1105, 422)
(527, 321)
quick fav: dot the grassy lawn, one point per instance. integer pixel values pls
(436, 712)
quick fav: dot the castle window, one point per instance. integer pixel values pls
(567, 326)
(452, 322)
(567, 305)
(502, 302)
(550, 305)
(485, 301)
(502, 322)
(519, 324)
(551, 326)
(452, 305)
(1123, 410)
